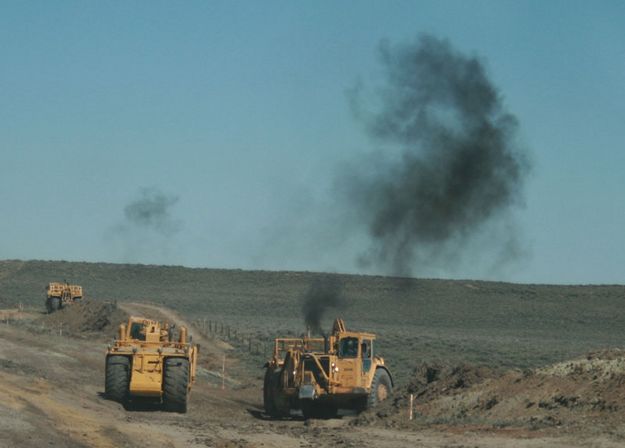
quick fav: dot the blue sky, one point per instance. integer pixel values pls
(239, 110)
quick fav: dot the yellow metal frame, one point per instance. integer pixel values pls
(148, 354)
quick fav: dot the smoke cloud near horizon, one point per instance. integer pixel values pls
(450, 165)
(147, 229)
(324, 293)
(153, 211)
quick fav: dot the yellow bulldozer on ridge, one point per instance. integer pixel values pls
(60, 295)
(321, 375)
(145, 362)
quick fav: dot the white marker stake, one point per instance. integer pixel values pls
(411, 406)
(223, 373)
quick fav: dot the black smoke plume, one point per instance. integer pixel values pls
(457, 168)
(153, 211)
(323, 293)
(146, 231)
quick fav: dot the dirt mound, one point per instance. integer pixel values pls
(429, 381)
(591, 388)
(571, 393)
(89, 316)
(602, 365)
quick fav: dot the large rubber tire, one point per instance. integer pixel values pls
(276, 405)
(53, 304)
(381, 388)
(268, 393)
(117, 378)
(176, 384)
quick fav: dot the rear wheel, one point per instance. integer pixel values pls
(176, 384)
(381, 388)
(117, 378)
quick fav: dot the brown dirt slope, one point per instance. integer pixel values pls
(585, 394)
(80, 319)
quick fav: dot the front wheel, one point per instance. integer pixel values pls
(381, 388)
(53, 304)
(268, 393)
(276, 405)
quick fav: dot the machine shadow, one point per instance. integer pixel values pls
(260, 415)
(137, 405)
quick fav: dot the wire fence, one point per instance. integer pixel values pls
(214, 329)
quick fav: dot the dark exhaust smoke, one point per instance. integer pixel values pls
(147, 229)
(323, 293)
(457, 167)
(153, 211)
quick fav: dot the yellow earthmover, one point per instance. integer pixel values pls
(321, 375)
(59, 295)
(145, 362)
